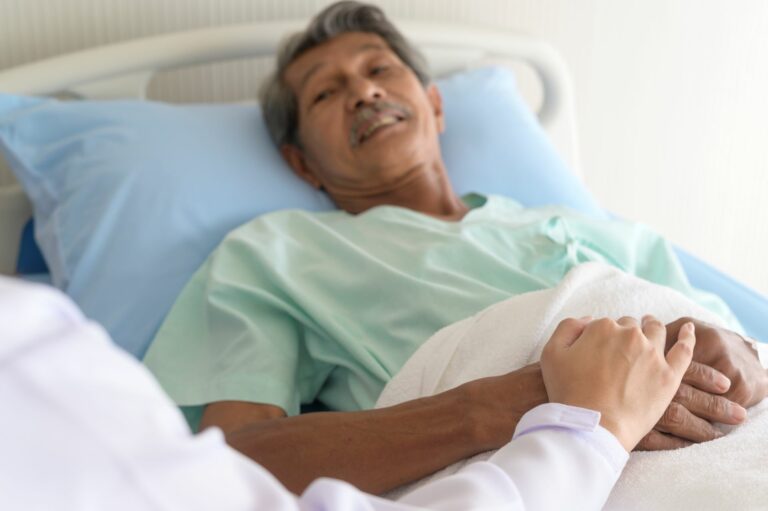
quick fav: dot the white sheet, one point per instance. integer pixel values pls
(723, 474)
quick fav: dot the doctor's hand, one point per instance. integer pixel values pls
(617, 368)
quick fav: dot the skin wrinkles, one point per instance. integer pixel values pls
(315, 68)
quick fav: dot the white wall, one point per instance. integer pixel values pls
(670, 94)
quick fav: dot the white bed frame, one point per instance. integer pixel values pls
(124, 70)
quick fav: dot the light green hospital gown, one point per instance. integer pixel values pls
(295, 306)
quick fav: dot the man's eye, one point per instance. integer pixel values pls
(378, 70)
(323, 95)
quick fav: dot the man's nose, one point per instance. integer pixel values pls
(364, 91)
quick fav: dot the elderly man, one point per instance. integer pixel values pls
(298, 307)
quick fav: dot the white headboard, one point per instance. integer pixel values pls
(125, 69)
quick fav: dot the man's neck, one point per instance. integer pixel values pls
(426, 191)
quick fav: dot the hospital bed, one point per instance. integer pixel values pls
(67, 156)
(123, 71)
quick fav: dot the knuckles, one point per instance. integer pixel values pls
(667, 377)
(740, 392)
(569, 323)
(686, 348)
(605, 327)
(684, 394)
(699, 373)
(717, 407)
(674, 415)
(652, 321)
(635, 334)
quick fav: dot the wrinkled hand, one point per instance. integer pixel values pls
(725, 376)
(727, 352)
(696, 405)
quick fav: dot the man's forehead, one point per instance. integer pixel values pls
(336, 50)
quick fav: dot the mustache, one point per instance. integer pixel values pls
(370, 111)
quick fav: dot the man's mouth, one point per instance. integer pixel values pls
(374, 117)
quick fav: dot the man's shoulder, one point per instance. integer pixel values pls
(282, 223)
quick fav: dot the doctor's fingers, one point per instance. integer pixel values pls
(627, 321)
(651, 329)
(655, 331)
(566, 333)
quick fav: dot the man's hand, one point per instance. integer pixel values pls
(727, 352)
(696, 405)
(725, 377)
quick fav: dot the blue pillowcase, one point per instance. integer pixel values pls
(130, 197)
(30, 261)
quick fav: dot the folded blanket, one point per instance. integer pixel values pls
(722, 474)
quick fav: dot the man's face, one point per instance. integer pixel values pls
(365, 121)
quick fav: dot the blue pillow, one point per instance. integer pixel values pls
(30, 260)
(130, 197)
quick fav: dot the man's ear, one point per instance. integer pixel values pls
(436, 100)
(295, 159)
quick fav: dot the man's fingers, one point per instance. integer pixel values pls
(655, 331)
(706, 378)
(678, 421)
(710, 406)
(658, 441)
(680, 354)
(567, 332)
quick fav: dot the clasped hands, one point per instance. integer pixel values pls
(722, 376)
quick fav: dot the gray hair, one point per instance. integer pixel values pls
(278, 102)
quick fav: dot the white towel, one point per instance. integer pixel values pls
(723, 474)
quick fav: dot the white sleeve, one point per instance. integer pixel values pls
(89, 428)
(760, 348)
(86, 427)
(559, 455)
(762, 351)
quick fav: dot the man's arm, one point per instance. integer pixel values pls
(378, 450)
